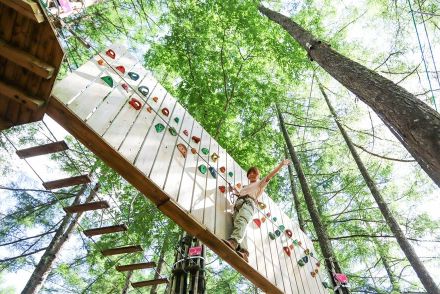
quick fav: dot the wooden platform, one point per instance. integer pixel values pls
(121, 250)
(105, 230)
(66, 182)
(42, 149)
(136, 266)
(30, 58)
(149, 283)
(87, 207)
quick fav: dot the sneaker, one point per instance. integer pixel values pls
(243, 254)
(231, 244)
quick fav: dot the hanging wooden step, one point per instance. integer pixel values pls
(105, 230)
(149, 283)
(67, 182)
(86, 207)
(42, 150)
(121, 250)
(135, 266)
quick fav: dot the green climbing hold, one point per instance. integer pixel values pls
(159, 128)
(134, 76)
(325, 284)
(205, 151)
(230, 174)
(274, 218)
(176, 119)
(301, 262)
(278, 233)
(213, 172)
(108, 80)
(173, 131)
(295, 242)
(272, 236)
(202, 168)
(281, 227)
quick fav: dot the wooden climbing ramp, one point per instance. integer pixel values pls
(120, 111)
(30, 57)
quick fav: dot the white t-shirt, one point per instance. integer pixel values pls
(254, 189)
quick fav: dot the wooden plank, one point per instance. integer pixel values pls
(67, 182)
(5, 124)
(149, 283)
(26, 60)
(17, 95)
(121, 250)
(135, 266)
(42, 149)
(28, 8)
(105, 230)
(86, 207)
(168, 206)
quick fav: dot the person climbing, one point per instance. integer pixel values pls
(244, 207)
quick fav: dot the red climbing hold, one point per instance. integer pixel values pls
(222, 189)
(135, 103)
(196, 139)
(289, 233)
(165, 111)
(125, 86)
(257, 222)
(121, 69)
(110, 53)
(186, 132)
(291, 246)
(268, 214)
(222, 169)
(286, 250)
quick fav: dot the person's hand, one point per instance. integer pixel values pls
(285, 162)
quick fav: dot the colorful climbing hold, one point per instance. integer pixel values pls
(213, 172)
(291, 246)
(257, 222)
(108, 80)
(205, 151)
(135, 103)
(238, 185)
(313, 274)
(278, 233)
(289, 233)
(272, 236)
(101, 62)
(121, 69)
(222, 189)
(223, 169)
(165, 111)
(202, 168)
(263, 219)
(172, 131)
(214, 157)
(230, 174)
(110, 53)
(134, 76)
(176, 119)
(286, 250)
(281, 227)
(261, 205)
(159, 127)
(144, 90)
(318, 264)
(182, 149)
(274, 218)
(185, 132)
(155, 99)
(124, 86)
(268, 214)
(325, 285)
(196, 139)
(307, 251)
(149, 109)
(193, 150)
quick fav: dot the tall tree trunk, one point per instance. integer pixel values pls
(321, 232)
(415, 124)
(295, 194)
(127, 282)
(384, 258)
(419, 267)
(44, 266)
(159, 266)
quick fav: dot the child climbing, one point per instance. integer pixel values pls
(244, 207)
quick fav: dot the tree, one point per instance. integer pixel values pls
(416, 125)
(405, 245)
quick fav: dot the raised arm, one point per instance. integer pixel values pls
(277, 169)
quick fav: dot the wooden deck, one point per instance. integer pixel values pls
(30, 57)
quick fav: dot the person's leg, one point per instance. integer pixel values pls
(241, 220)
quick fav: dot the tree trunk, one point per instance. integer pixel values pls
(295, 195)
(384, 258)
(44, 266)
(321, 232)
(406, 247)
(415, 124)
(127, 282)
(159, 266)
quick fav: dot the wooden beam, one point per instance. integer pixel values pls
(42, 149)
(149, 283)
(121, 250)
(18, 95)
(28, 8)
(105, 230)
(67, 182)
(5, 124)
(135, 266)
(87, 207)
(26, 60)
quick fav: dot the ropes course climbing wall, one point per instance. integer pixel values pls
(122, 113)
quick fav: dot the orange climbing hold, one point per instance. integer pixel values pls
(182, 149)
(101, 62)
(155, 99)
(193, 150)
(222, 169)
